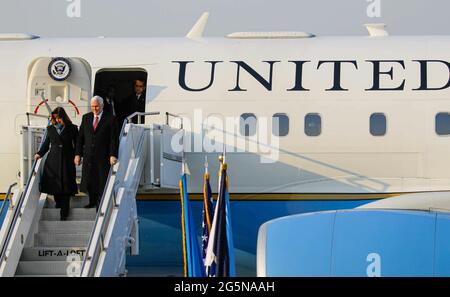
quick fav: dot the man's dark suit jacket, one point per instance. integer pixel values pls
(96, 148)
(134, 105)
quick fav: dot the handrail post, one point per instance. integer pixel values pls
(102, 243)
(175, 116)
(7, 197)
(139, 114)
(29, 114)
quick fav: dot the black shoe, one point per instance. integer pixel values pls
(63, 215)
(90, 205)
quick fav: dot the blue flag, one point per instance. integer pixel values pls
(193, 264)
(220, 245)
(207, 217)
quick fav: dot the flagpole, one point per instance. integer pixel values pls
(187, 216)
(183, 164)
(224, 153)
(183, 223)
(206, 197)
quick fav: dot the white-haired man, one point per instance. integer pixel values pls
(98, 145)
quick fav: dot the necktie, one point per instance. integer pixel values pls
(95, 122)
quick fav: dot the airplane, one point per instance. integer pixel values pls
(309, 123)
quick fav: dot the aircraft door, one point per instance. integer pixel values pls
(64, 82)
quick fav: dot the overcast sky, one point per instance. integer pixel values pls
(175, 17)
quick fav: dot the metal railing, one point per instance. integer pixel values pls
(139, 114)
(168, 114)
(112, 204)
(17, 210)
(88, 257)
(100, 244)
(7, 198)
(29, 114)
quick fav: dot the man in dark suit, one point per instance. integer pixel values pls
(110, 101)
(98, 145)
(136, 101)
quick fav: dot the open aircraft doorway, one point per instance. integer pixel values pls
(123, 91)
(60, 81)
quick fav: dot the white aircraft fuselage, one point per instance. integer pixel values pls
(344, 80)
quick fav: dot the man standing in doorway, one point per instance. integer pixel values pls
(136, 100)
(98, 145)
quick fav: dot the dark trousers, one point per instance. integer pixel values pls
(63, 202)
(94, 198)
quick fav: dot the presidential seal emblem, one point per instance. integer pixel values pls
(59, 69)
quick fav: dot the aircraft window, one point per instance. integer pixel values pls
(313, 124)
(280, 124)
(247, 124)
(443, 123)
(378, 124)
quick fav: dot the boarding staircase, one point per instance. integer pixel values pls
(58, 247)
(90, 243)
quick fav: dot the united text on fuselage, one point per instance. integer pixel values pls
(381, 69)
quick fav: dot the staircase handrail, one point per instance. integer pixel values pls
(17, 213)
(107, 213)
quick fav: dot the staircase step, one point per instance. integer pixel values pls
(52, 253)
(75, 202)
(46, 268)
(45, 239)
(66, 226)
(76, 214)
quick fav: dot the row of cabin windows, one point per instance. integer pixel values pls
(313, 124)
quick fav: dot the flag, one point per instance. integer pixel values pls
(220, 245)
(207, 216)
(193, 264)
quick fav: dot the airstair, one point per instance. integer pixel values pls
(90, 243)
(58, 246)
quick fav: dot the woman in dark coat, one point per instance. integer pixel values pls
(59, 175)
